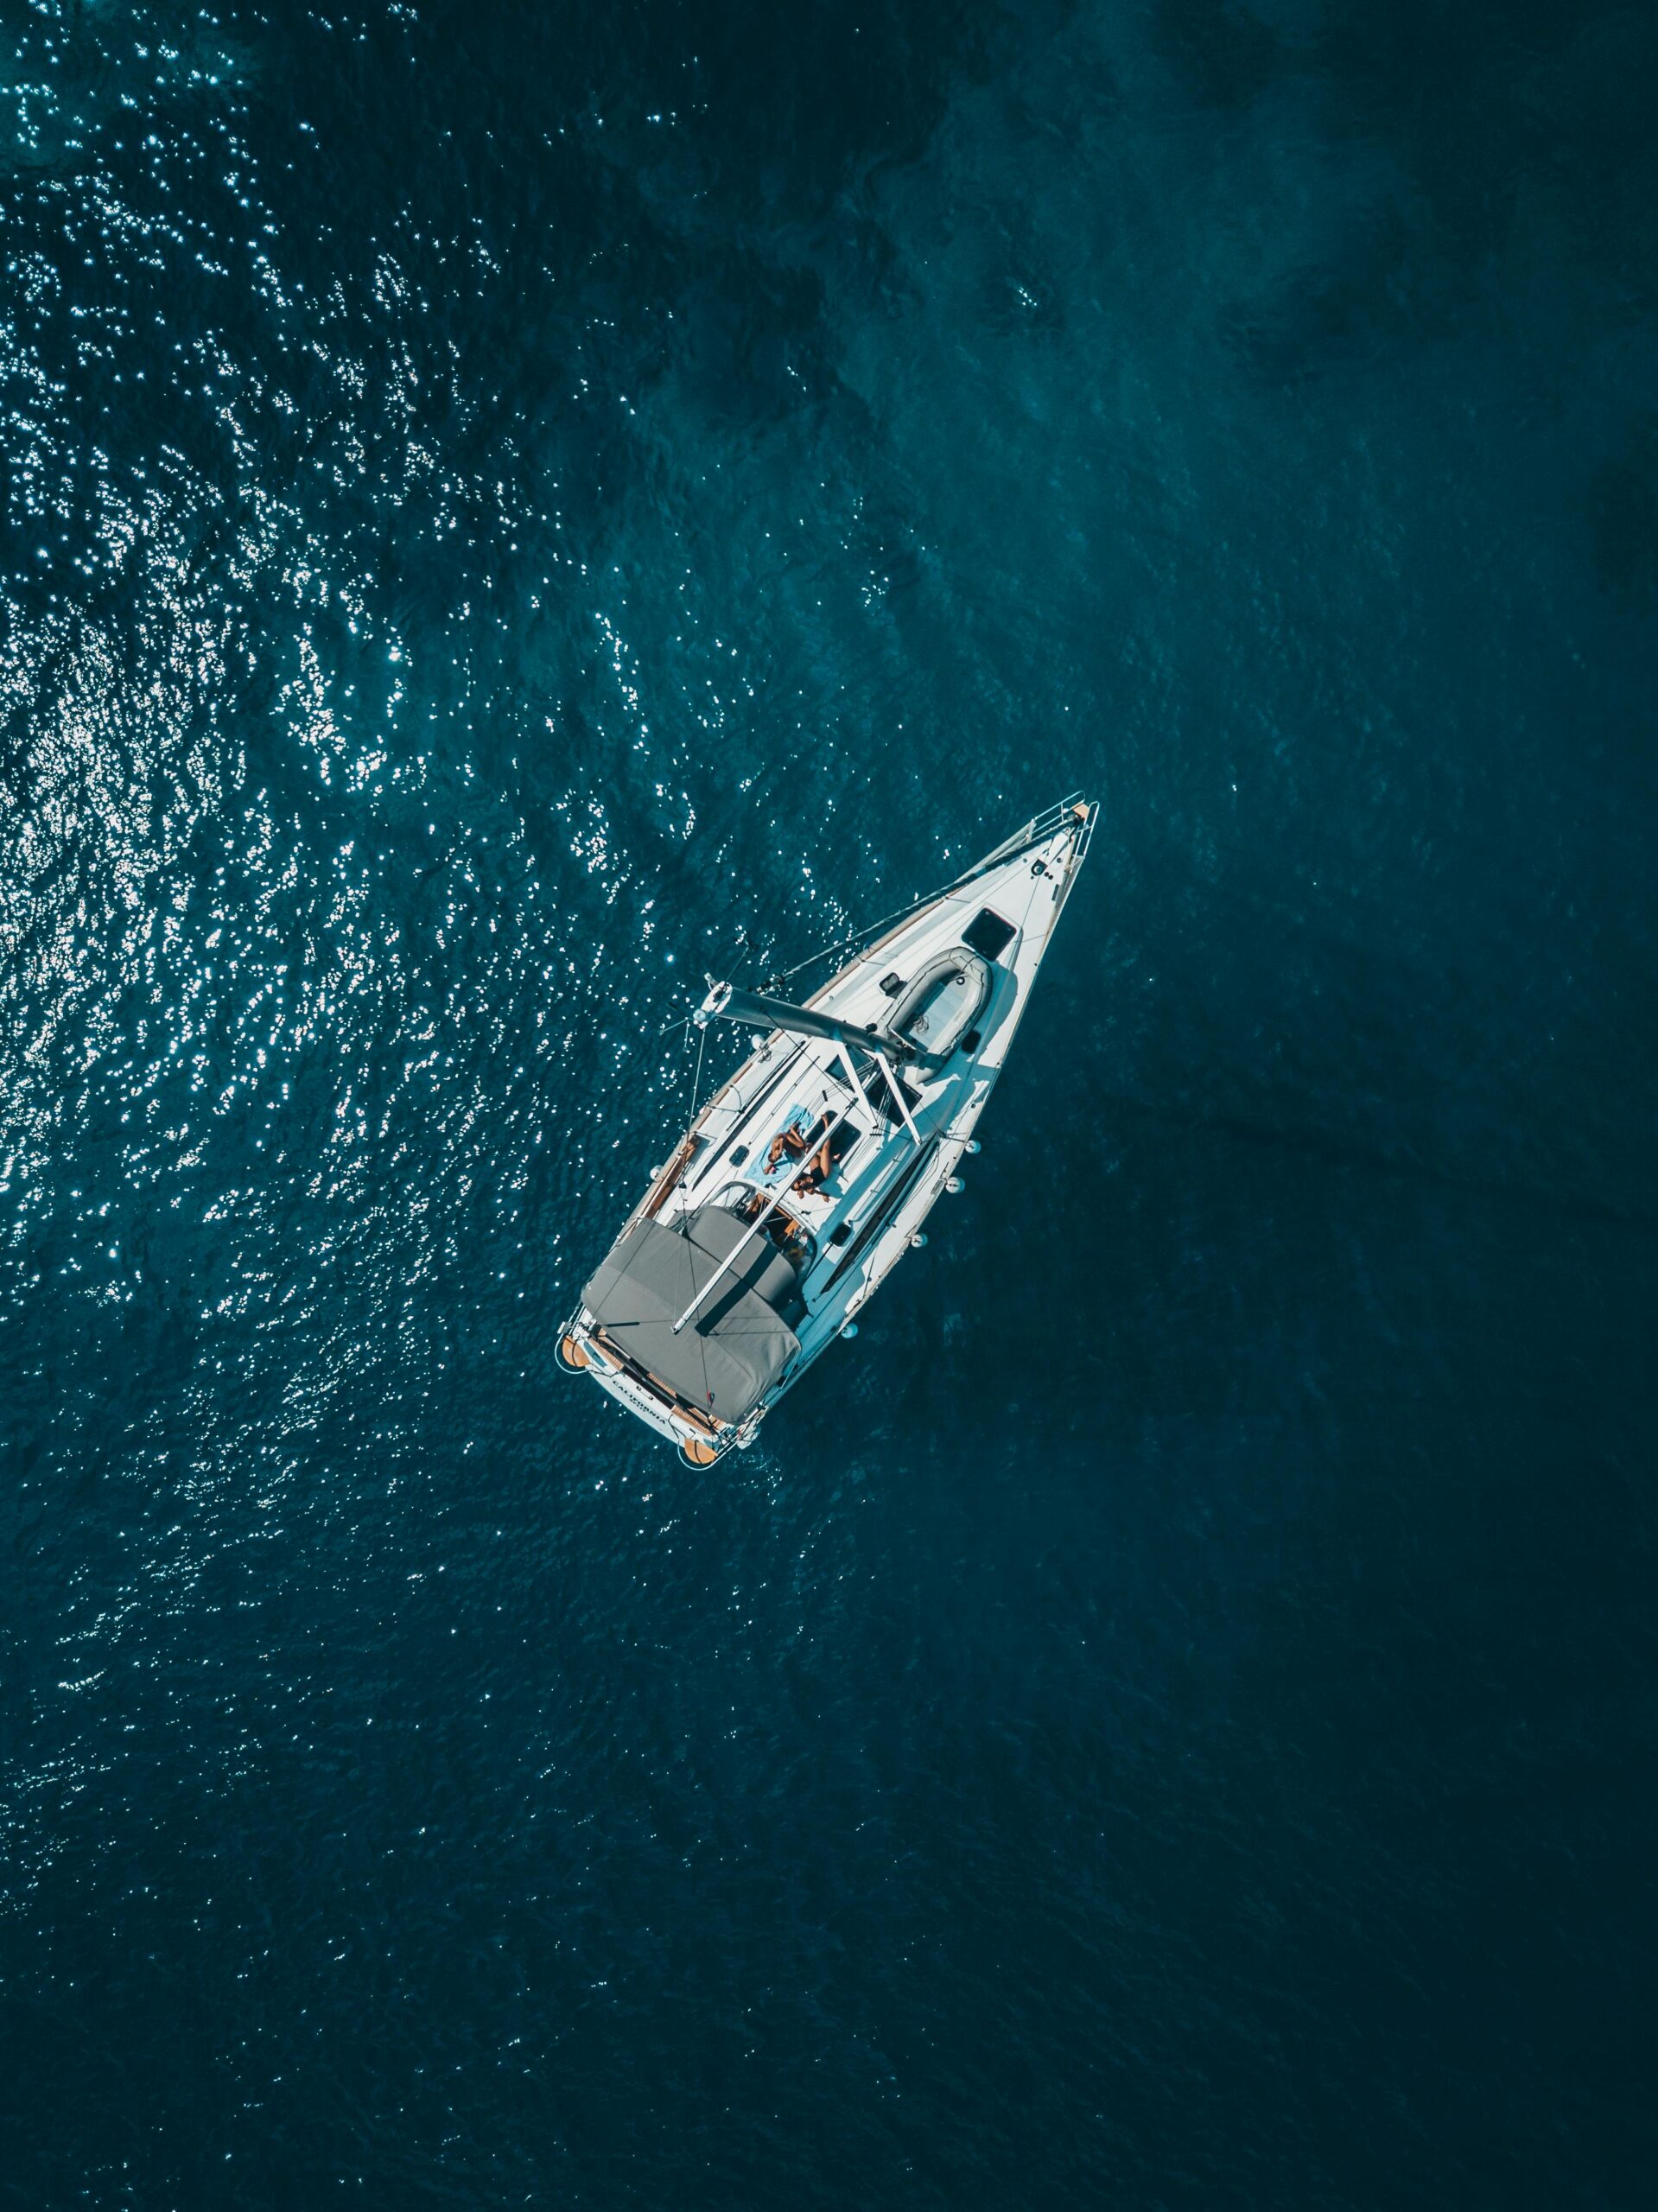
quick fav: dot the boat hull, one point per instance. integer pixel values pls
(847, 1224)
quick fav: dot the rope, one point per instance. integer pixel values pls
(702, 1347)
(857, 937)
(697, 1080)
(1040, 825)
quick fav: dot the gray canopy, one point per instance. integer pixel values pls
(737, 1343)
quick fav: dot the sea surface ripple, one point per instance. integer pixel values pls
(507, 509)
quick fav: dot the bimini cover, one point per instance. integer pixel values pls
(736, 1343)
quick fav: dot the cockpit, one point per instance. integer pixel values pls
(792, 1238)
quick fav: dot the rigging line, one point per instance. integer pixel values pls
(857, 937)
(686, 1259)
(1038, 825)
(697, 1080)
(702, 1347)
(701, 1353)
(687, 1249)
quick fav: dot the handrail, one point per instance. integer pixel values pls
(884, 1209)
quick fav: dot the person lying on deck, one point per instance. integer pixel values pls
(790, 1141)
(828, 1155)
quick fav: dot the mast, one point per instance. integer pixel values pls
(759, 1012)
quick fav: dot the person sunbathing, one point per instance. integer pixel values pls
(816, 1168)
(791, 1140)
(837, 1142)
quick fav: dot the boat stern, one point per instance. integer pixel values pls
(701, 1440)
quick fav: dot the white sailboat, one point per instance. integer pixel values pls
(809, 1172)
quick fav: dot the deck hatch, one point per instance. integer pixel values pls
(988, 935)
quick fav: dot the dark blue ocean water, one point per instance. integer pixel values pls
(501, 501)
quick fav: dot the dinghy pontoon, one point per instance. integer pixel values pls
(809, 1174)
